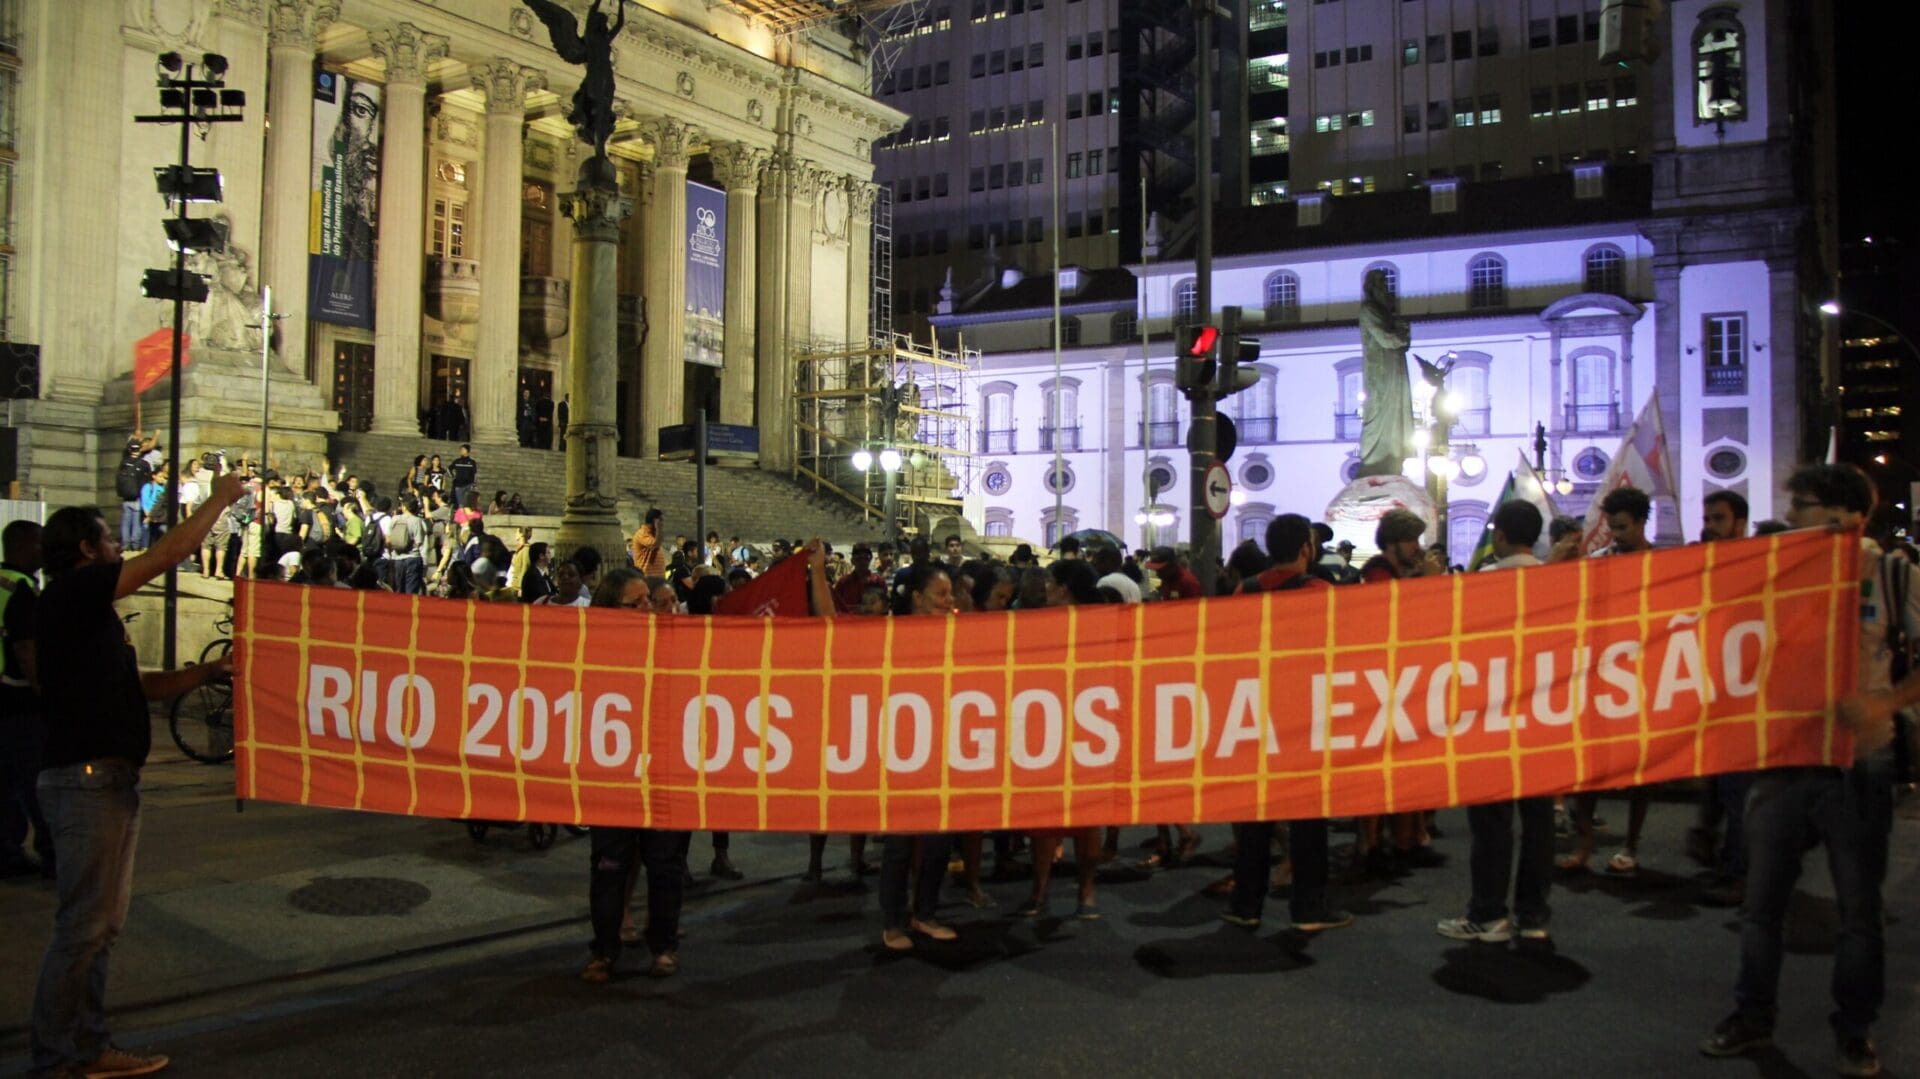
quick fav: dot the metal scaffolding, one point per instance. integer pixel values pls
(897, 394)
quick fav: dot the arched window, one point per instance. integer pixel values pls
(999, 521)
(1163, 412)
(1606, 270)
(1125, 326)
(1487, 282)
(1053, 527)
(1253, 409)
(996, 400)
(1254, 518)
(1060, 424)
(1353, 397)
(1469, 379)
(1069, 332)
(1186, 303)
(1719, 67)
(1393, 277)
(1591, 405)
(1283, 297)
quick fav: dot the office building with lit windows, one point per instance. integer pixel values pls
(1567, 296)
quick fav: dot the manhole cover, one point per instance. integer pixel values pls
(353, 897)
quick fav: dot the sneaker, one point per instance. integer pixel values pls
(598, 972)
(722, 868)
(934, 930)
(1241, 920)
(897, 940)
(1856, 1056)
(1735, 1035)
(1087, 912)
(1535, 932)
(1032, 908)
(1494, 932)
(1333, 919)
(114, 1063)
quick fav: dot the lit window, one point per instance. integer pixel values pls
(1625, 92)
(1489, 108)
(1724, 338)
(1487, 282)
(1283, 297)
(1463, 112)
(1720, 75)
(1597, 98)
(1606, 270)
(1186, 302)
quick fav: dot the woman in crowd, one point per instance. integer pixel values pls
(1069, 583)
(416, 475)
(458, 583)
(618, 854)
(925, 589)
(568, 587)
(535, 581)
(467, 547)
(435, 477)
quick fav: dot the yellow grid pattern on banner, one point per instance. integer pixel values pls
(1324, 770)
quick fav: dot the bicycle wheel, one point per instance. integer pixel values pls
(201, 721)
(220, 648)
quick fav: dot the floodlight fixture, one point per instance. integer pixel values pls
(188, 183)
(174, 285)
(196, 235)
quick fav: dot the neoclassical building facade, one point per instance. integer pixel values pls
(470, 153)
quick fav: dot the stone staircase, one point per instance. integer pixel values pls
(746, 502)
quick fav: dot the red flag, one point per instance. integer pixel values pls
(153, 358)
(779, 592)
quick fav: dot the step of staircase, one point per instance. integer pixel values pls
(746, 502)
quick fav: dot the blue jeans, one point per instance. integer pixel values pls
(899, 903)
(22, 740)
(133, 527)
(1253, 862)
(1491, 862)
(1789, 810)
(94, 810)
(1730, 789)
(407, 575)
(617, 855)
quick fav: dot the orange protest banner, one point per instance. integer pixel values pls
(1425, 693)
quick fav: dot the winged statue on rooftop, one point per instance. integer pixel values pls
(592, 114)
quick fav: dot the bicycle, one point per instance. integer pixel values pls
(201, 719)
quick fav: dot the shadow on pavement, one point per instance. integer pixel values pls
(1526, 975)
(1226, 950)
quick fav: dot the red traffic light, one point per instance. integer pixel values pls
(1201, 341)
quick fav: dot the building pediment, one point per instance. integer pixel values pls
(1589, 305)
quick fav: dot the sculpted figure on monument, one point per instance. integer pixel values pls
(1387, 424)
(592, 116)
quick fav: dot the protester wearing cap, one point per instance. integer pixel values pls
(1176, 580)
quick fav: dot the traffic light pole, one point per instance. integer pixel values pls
(1204, 530)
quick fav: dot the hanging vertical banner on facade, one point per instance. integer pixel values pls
(705, 321)
(346, 196)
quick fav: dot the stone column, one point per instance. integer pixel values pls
(663, 375)
(860, 196)
(793, 310)
(634, 283)
(737, 166)
(496, 367)
(407, 51)
(593, 439)
(774, 397)
(291, 27)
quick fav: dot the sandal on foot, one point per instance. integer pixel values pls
(1573, 863)
(897, 940)
(1623, 864)
(598, 972)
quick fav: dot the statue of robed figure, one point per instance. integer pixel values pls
(1386, 427)
(592, 115)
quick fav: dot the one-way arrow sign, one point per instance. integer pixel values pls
(1219, 490)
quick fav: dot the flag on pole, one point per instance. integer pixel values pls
(153, 358)
(1523, 484)
(1643, 461)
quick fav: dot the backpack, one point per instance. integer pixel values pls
(372, 540)
(1894, 590)
(134, 474)
(401, 538)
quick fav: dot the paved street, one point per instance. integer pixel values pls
(245, 957)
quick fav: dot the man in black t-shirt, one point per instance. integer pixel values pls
(464, 472)
(94, 698)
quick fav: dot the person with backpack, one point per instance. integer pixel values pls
(1291, 545)
(128, 482)
(406, 541)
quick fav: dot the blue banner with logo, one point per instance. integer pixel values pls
(705, 323)
(344, 216)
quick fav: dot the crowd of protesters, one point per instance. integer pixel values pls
(1752, 830)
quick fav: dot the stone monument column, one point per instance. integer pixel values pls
(737, 166)
(634, 283)
(770, 272)
(495, 379)
(407, 51)
(593, 439)
(663, 373)
(291, 27)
